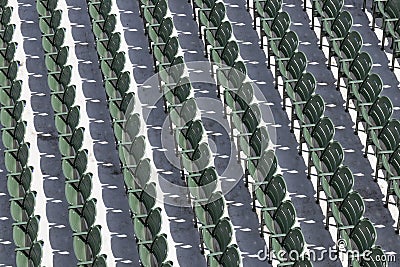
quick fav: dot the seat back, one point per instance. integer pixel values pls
(352, 209)
(342, 24)
(341, 182)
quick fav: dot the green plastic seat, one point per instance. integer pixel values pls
(30, 256)
(99, 10)
(130, 153)
(48, 24)
(274, 31)
(230, 257)
(292, 241)
(181, 114)
(270, 194)
(25, 233)
(141, 201)
(78, 191)
(293, 70)
(82, 216)
(299, 93)
(356, 72)
(87, 244)
(9, 73)
(231, 78)
(226, 55)
(196, 161)
(7, 53)
(203, 4)
(9, 115)
(117, 86)
(153, 13)
(62, 101)
(104, 28)
(318, 137)
(10, 94)
(112, 67)
(74, 166)
(70, 144)
(285, 49)
(211, 14)
(165, 52)
(337, 187)
(16, 159)
(255, 143)
(366, 93)
(118, 107)
(188, 138)
(239, 99)
(60, 80)
(5, 16)
(127, 129)
(177, 93)
(13, 136)
(217, 35)
(362, 237)
(108, 47)
(216, 237)
(347, 212)
(326, 161)
(386, 141)
(160, 32)
(262, 167)
(154, 252)
(147, 227)
(171, 72)
(376, 117)
(66, 122)
(245, 119)
(44, 7)
(377, 258)
(203, 185)
(6, 35)
(327, 10)
(279, 221)
(100, 261)
(208, 211)
(23, 207)
(52, 43)
(266, 10)
(54, 62)
(142, 175)
(338, 31)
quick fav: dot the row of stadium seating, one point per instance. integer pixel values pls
(16, 154)
(260, 162)
(136, 168)
(389, 12)
(364, 88)
(78, 183)
(192, 148)
(316, 130)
